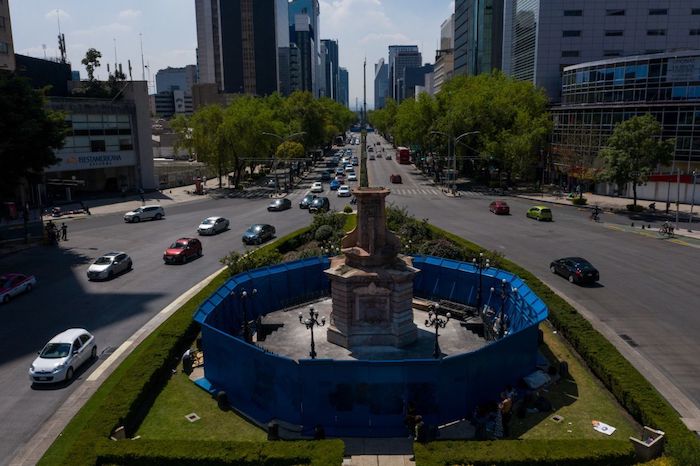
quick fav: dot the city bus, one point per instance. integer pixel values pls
(403, 155)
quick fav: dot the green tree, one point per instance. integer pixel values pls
(289, 150)
(207, 140)
(30, 133)
(91, 61)
(181, 127)
(634, 149)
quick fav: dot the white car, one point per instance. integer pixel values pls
(212, 225)
(62, 356)
(317, 187)
(109, 265)
(13, 284)
(152, 212)
(344, 191)
(352, 176)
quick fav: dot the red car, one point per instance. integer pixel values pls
(183, 250)
(12, 284)
(499, 208)
(396, 179)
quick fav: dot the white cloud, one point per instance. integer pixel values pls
(62, 15)
(129, 14)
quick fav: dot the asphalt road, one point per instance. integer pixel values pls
(648, 296)
(112, 310)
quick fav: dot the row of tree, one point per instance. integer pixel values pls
(251, 130)
(509, 119)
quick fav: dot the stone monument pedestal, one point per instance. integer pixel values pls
(371, 285)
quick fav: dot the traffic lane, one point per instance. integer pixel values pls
(112, 310)
(641, 279)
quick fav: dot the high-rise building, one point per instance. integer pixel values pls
(479, 35)
(415, 76)
(343, 87)
(176, 79)
(331, 68)
(237, 44)
(400, 57)
(304, 33)
(444, 57)
(381, 83)
(7, 50)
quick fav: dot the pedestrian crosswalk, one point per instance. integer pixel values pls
(427, 191)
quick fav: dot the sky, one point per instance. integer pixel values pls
(167, 28)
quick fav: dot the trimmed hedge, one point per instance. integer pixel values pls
(579, 201)
(205, 453)
(626, 384)
(527, 452)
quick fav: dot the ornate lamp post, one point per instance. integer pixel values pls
(311, 322)
(480, 263)
(434, 320)
(247, 337)
(504, 293)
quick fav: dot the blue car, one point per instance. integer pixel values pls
(335, 184)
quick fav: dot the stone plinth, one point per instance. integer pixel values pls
(371, 285)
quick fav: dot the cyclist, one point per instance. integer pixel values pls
(667, 228)
(595, 215)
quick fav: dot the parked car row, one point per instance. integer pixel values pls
(538, 212)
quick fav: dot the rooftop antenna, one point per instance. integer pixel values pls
(130, 77)
(43, 46)
(61, 39)
(115, 55)
(143, 67)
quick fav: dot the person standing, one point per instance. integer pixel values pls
(506, 408)
(64, 232)
(143, 199)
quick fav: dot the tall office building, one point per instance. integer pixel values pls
(400, 57)
(7, 50)
(331, 67)
(416, 76)
(343, 86)
(381, 83)
(176, 79)
(304, 33)
(444, 57)
(238, 42)
(479, 35)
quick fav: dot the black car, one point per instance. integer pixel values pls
(326, 176)
(279, 204)
(306, 201)
(258, 234)
(575, 269)
(320, 204)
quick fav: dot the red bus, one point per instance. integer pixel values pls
(403, 155)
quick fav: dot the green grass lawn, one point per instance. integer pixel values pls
(166, 419)
(579, 399)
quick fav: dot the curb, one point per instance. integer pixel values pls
(33, 450)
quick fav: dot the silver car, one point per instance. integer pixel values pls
(212, 225)
(107, 266)
(62, 356)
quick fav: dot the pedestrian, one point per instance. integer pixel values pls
(143, 199)
(506, 408)
(410, 419)
(421, 430)
(64, 232)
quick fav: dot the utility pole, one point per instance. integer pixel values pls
(143, 66)
(364, 93)
(678, 196)
(692, 201)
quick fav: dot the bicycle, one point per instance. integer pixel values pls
(666, 230)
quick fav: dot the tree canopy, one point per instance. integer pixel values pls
(634, 150)
(243, 133)
(91, 61)
(510, 116)
(30, 132)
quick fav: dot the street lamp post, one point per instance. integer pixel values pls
(452, 154)
(311, 322)
(246, 321)
(692, 202)
(480, 263)
(435, 321)
(504, 293)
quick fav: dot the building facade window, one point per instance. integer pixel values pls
(695, 32)
(4, 48)
(573, 12)
(612, 53)
(571, 33)
(569, 53)
(615, 12)
(97, 145)
(658, 11)
(2, 23)
(656, 32)
(695, 11)
(615, 33)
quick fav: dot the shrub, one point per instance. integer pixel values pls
(323, 233)
(634, 208)
(442, 248)
(347, 209)
(579, 201)
(237, 262)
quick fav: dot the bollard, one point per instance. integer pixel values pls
(222, 400)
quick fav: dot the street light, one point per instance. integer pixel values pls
(692, 200)
(311, 322)
(434, 320)
(451, 156)
(244, 298)
(504, 293)
(480, 263)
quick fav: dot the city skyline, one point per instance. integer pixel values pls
(363, 28)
